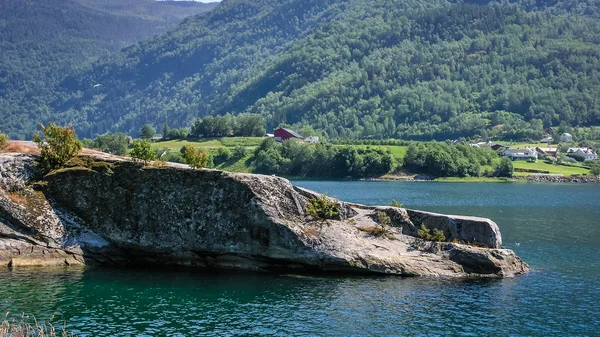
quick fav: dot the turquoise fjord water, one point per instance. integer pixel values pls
(555, 228)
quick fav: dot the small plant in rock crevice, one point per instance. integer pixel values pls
(396, 204)
(322, 208)
(435, 235)
(383, 228)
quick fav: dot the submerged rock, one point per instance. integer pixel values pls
(101, 210)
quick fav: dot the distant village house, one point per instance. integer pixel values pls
(587, 153)
(549, 151)
(312, 139)
(520, 154)
(566, 137)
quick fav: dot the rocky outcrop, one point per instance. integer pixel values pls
(108, 211)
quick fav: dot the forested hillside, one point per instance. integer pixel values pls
(41, 41)
(355, 68)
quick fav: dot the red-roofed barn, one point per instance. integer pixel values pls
(282, 134)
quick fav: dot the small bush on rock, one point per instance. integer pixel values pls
(195, 157)
(384, 224)
(57, 144)
(142, 151)
(321, 208)
(429, 235)
(396, 204)
(3, 140)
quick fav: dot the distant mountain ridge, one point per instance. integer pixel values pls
(42, 41)
(355, 68)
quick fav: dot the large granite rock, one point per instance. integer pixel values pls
(109, 211)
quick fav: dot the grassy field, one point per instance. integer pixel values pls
(552, 168)
(239, 166)
(208, 144)
(472, 180)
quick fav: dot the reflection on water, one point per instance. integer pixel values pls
(558, 298)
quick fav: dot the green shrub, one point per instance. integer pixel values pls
(3, 140)
(577, 157)
(147, 132)
(438, 236)
(115, 143)
(429, 235)
(239, 152)
(142, 151)
(223, 154)
(58, 145)
(504, 168)
(595, 170)
(321, 208)
(195, 157)
(396, 204)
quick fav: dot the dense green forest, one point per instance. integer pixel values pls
(296, 158)
(41, 41)
(354, 69)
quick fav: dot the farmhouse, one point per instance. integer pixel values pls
(312, 139)
(520, 154)
(282, 134)
(566, 137)
(550, 151)
(587, 153)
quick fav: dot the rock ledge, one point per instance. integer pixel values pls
(104, 210)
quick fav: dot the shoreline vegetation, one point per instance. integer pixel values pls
(368, 160)
(296, 161)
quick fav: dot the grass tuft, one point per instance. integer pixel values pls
(24, 327)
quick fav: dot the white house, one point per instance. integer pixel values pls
(520, 154)
(587, 153)
(566, 137)
(312, 139)
(482, 144)
(546, 140)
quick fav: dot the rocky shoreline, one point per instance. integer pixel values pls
(104, 210)
(562, 179)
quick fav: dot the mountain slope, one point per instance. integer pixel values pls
(41, 41)
(356, 68)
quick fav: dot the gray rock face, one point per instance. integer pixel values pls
(108, 211)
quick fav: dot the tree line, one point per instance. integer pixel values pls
(244, 125)
(295, 158)
(448, 160)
